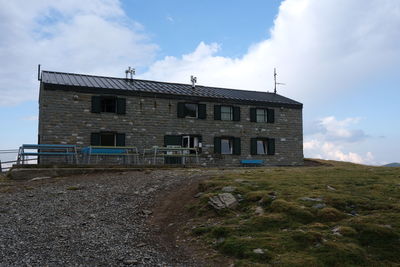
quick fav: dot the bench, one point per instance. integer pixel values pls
(252, 162)
(63, 150)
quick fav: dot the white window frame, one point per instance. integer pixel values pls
(264, 115)
(230, 144)
(230, 113)
(264, 145)
(197, 110)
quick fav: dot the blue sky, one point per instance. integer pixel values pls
(340, 58)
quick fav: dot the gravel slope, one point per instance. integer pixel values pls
(95, 220)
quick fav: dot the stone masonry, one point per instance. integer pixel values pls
(65, 117)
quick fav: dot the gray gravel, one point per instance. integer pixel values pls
(93, 220)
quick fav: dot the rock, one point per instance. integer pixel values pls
(40, 178)
(198, 195)
(259, 211)
(147, 212)
(316, 199)
(228, 189)
(239, 197)
(336, 231)
(222, 201)
(258, 251)
(319, 206)
(331, 188)
(239, 180)
(131, 262)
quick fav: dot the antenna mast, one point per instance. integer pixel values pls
(276, 83)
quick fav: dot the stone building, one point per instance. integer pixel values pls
(225, 125)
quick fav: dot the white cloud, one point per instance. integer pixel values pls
(330, 138)
(315, 148)
(77, 36)
(336, 130)
(321, 50)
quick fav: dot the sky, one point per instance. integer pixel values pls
(340, 58)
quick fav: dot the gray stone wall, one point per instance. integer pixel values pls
(65, 118)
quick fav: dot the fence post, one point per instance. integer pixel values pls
(1, 169)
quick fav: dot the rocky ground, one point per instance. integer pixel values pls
(99, 219)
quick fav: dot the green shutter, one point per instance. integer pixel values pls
(236, 113)
(217, 112)
(95, 139)
(253, 146)
(270, 115)
(120, 139)
(172, 140)
(181, 110)
(96, 104)
(271, 146)
(253, 115)
(121, 105)
(217, 145)
(202, 109)
(236, 146)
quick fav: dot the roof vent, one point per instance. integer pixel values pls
(194, 81)
(130, 72)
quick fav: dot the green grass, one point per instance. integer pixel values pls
(358, 222)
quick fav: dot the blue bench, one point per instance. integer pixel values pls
(68, 151)
(252, 162)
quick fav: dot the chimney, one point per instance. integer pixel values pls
(130, 71)
(194, 81)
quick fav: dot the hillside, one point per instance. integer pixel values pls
(394, 164)
(335, 214)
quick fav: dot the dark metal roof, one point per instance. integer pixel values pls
(79, 82)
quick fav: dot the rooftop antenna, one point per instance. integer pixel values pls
(38, 73)
(193, 80)
(131, 72)
(276, 83)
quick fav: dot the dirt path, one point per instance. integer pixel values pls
(109, 219)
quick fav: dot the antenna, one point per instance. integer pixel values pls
(131, 72)
(193, 80)
(38, 73)
(276, 83)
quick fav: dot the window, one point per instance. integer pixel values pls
(226, 113)
(192, 110)
(262, 146)
(262, 115)
(191, 141)
(110, 104)
(107, 139)
(227, 145)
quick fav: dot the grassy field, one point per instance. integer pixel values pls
(338, 215)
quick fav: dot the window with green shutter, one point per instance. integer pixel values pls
(262, 146)
(192, 110)
(262, 115)
(107, 139)
(227, 145)
(110, 104)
